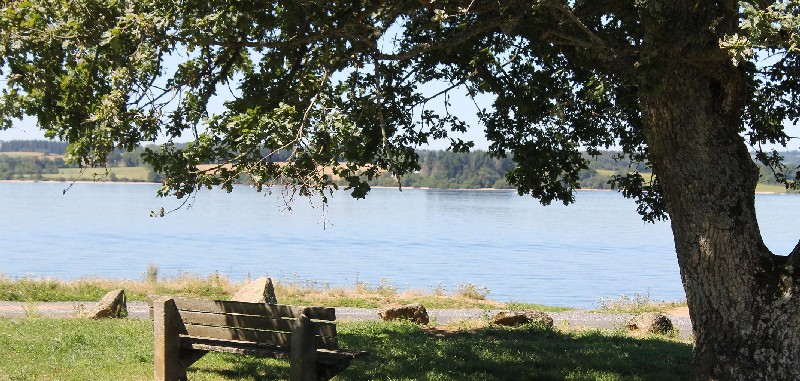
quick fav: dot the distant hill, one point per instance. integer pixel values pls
(38, 146)
(27, 159)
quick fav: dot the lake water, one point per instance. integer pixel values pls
(414, 239)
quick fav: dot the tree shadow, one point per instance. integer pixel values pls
(403, 351)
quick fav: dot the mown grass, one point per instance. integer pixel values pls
(100, 174)
(79, 349)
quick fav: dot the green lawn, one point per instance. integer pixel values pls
(100, 174)
(79, 349)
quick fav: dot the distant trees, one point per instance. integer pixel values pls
(16, 167)
(28, 167)
(446, 169)
(478, 169)
(40, 146)
(438, 169)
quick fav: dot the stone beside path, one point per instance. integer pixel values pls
(577, 319)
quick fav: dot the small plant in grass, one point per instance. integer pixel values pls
(361, 286)
(440, 289)
(635, 304)
(214, 286)
(32, 310)
(386, 289)
(517, 306)
(472, 291)
(151, 276)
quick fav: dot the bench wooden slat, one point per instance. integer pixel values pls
(243, 348)
(325, 329)
(272, 310)
(254, 336)
(235, 320)
(323, 342)
(330, 356)
(325, 356)
(238, 334)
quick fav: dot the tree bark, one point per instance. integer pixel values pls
(742, 298)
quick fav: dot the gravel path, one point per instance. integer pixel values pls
(577, 319)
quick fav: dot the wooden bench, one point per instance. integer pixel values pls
(186, 329)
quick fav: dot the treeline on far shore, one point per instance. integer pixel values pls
(43, 160)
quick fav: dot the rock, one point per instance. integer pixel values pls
(651, 322)
(113, 305)
(414, 312)
(257, 291)
(517, 318)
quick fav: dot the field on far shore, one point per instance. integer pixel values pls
(99, 174)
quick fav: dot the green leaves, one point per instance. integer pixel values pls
(346, 85)
(770, 36)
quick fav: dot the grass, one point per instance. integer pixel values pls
(213, 286)
(294, 292)
(42, 348)
(217, 286)
(636, 304)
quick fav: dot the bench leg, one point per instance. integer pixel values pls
(167, 364)
(303, 356)
(328, 371)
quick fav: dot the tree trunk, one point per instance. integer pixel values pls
(745, 315)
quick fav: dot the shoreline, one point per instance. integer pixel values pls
(374, 187)
(570, 320)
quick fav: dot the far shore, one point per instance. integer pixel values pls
(374, 187)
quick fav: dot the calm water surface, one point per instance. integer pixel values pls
(414, 239)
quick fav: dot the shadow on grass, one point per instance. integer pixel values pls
(403, 351)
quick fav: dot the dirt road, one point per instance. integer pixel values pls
(577, 319)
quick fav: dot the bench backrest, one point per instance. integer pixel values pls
(253, 322)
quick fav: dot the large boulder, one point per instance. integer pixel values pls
(651, 322)
(257, 291)
(413, 312)
(517, 318)
(113, 305)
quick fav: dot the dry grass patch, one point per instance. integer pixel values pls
(361, 295)
(637, 304)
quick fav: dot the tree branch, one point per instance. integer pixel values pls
(796, 251)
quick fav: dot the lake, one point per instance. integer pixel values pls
(415, 239)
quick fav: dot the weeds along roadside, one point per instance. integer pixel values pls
(291, 290)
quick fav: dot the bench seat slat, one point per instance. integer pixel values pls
(238, 334)
(272, 310)
(242, 348)
(324, 356)
(253, 336)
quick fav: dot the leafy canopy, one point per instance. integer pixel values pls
(346, 84)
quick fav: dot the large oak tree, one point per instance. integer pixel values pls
(688, 88)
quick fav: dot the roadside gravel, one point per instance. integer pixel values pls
(576, 319)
